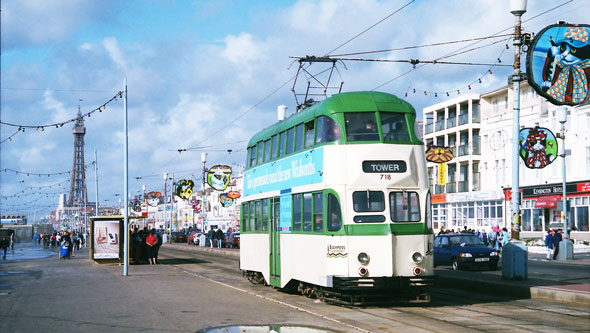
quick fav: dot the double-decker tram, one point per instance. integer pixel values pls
(336, 202)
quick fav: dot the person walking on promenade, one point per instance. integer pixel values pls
(160, 241)
(4, 246)
(152, 242)
(36, 238)
(219, 236)
(505, 237)
(211, 236)
(557, 237)
(549, 243)
(12, 242)
(493, 237)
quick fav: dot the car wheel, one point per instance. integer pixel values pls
(455, 264)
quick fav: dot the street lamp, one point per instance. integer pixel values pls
(566, 247)
(203, 211)
(165, 199)
(517, 8)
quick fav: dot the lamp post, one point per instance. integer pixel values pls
(203, 206)
(562, 118)
(165, 199)
(517, 8)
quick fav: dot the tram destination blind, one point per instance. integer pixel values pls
(384, 166)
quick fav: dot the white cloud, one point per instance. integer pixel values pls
(112, 47)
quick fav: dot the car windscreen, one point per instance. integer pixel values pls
(465, 240)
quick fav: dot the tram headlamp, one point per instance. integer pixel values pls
(363, 258)
(417, 257)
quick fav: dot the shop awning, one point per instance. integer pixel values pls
(547, 201)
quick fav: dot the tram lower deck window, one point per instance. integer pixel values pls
(368, 201)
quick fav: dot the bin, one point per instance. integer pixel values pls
(566, 250)
(515, 261)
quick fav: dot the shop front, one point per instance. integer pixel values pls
(474, 210)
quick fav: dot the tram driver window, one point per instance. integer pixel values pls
(394, 127)
(405, 206)
(361, 126)
(334, 213)
(368, 201)
(327, 130)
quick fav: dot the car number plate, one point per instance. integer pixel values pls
(482, 259)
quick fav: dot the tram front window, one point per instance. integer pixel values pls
(405, 206)
(394, 127)
(361, 126)
(327, 130)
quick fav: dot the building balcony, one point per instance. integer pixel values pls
(463, 150)
(463, 186)
(428, 128)
(476, 181)
(440, 125)
(463, 119)
(451, 187)
(452, 122)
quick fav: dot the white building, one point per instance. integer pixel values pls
(476, 194)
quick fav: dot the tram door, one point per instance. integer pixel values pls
(275, 243)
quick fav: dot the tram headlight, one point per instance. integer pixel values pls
(363, 258)
(417, 257)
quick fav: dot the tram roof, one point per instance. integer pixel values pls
(359, 101)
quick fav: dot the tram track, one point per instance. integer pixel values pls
(490, 310)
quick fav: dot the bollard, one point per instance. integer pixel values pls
(515, 261)
(566, 250)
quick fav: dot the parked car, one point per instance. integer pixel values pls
(178, 237)
(462, 251)
(231, 240)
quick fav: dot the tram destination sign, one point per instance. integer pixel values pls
(384, 166)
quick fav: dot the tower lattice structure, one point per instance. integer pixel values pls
(78, 193)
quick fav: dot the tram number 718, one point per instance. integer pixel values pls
(385, 176)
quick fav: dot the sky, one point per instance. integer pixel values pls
(207, 75)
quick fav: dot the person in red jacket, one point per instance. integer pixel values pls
(152, 243)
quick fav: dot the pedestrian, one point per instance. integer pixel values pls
(219, 235)
(36, 238)
(12, 242)
(152, 242)
(159, 236)
(549, 243)
(505, 236)
(492, 238)
(4, 246)
(557, 237)
(211, 235)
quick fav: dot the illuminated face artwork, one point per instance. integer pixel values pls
(438, 154)
(184, 188)
(538, 147)
(558, 66)
(218, 177)
(153, 198)
(225, 200)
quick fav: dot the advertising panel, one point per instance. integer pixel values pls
(106, 239)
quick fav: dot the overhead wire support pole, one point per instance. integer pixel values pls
(126, 186)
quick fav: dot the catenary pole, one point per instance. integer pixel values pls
(126, 186)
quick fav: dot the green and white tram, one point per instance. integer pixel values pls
(336, 200)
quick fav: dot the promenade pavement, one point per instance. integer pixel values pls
(565, 281)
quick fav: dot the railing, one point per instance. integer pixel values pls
(440, 125)
(452, 187)
(428, 128)
(476, 181)
(451, 122)
(463, 186)
(463, 150)
(463, 119)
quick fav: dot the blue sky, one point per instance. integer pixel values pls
(193, 67)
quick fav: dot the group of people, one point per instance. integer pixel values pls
(145, 245)
(215, 236)
(69, 242)
(552, 242)
(495, 237)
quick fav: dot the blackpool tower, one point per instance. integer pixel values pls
(78, 193)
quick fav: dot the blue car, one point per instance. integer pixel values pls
(463, 251)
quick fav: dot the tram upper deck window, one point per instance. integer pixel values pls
(405, 206)
(274, 149)
(290, 138)
(327, 130)
(361, 126)
(368, 201)
(252, 156)
(282, 144)
(394, 127)
(267, 150)
(334, 213)
(260, 153)
(309, 134)
(299, 138)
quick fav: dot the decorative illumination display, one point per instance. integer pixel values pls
(538, 147)
(218, 177)
(439, 154)
(196, 204)
(233, 194)
(184, 188)
(558, 63)
(153, 198)
(225, 200)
